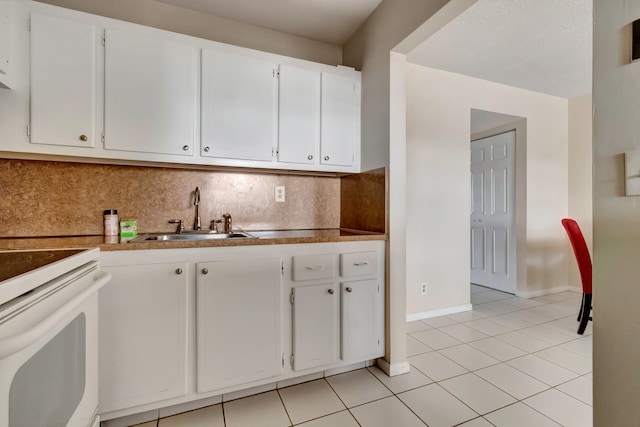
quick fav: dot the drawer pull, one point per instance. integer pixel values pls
(205, 271)
(331, 291)
(348, 289)
(178, 271)
(315, 268)
(360, 264)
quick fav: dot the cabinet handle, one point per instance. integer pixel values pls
(205, 271)
(310, 157)
(331, 291)
(348, 289)
(185, 147)
(360, 264)
(207, 149)
(83, 138)
(178, 271)
(326, 157)
(315, 268)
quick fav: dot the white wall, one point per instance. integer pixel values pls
(580, 171)
(438, 120)
(207, 26)
(616, 218)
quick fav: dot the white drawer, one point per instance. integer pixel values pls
(310, 267)
(358, 264)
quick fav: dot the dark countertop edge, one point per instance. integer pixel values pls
(25, 243)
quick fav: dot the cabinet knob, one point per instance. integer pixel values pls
(326, 157)
(348, 289)
(205, 271)
(310, 157)
(83, 138)
(185, 147)
(178, 271)
(331, 291)
(207, 149)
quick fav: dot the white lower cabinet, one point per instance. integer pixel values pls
(201, 322)
(143, 335)
(314, 325)
(360, 316)
(238, 321)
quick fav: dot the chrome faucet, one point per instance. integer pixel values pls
(196, 203)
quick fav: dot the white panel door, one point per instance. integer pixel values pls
(63, 81)
(493, 212)
(138, 365)
(299, 115)
(150, 94)
(239, 101)
(238, 322)
(338, 120)
(314, 325)
(360, 311)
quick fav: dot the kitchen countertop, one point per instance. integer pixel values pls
(264, 237)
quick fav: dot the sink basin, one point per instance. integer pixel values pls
(187, 237)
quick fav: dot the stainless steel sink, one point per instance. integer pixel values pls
(186, 237)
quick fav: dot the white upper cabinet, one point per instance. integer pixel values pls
(339, 120)
(298, 115)
(239, 101)
(5, 42)
(63, 81)
(150, 94)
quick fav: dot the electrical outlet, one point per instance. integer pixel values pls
(423, 288)
(279, 193)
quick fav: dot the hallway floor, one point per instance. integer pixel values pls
(509, 362)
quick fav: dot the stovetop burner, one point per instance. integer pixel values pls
(15, 263)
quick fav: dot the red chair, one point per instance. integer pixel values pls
(581, 251)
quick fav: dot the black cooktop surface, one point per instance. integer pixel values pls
(14, 263)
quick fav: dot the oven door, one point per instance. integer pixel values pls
(48, 353)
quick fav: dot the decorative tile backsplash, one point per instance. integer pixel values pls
(43, 198)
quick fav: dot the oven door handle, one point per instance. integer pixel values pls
(30, 333)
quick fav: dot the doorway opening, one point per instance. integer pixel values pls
(498, 194)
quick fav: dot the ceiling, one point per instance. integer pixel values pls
(329, 21)
(540, 45)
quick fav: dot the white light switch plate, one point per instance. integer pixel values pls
(279, 193)
(632, 173)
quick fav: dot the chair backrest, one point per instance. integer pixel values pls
(581, 251)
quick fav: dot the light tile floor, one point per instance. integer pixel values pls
(509, 362)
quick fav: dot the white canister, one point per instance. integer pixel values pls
(111, 223)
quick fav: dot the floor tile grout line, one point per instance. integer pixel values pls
(286, 411)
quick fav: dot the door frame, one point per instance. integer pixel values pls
(520, 226)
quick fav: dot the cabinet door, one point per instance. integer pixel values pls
(299, 115)
(338, 122)
(238, 107)
(314, 325)
(150, 94)
(238, 322)
(5, 42)
(63, 81)
(360, 313)
(143, 335)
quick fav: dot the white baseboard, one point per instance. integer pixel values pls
(547, 291)
(440, 312)
(393, 369)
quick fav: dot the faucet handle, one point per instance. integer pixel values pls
(214, 225)
(180, 223)
(226, 218)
